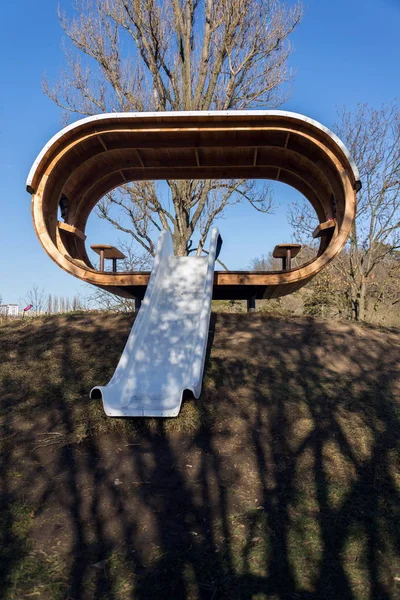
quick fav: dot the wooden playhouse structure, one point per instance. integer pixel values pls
(92, 156)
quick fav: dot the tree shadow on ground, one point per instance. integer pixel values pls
(280, 482)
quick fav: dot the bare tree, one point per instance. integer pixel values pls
(265, 262)
(78, 303)
(373, 138)
(385, 282)
(135, 55)
(49, 304)
(37, 298)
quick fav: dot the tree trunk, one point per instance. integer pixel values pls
(358, 301)
(354, 309)
(180, 244)
(361, 303)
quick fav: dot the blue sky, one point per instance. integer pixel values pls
(345, 52)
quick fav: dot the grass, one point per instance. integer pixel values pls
(282, 481)
(32, 573)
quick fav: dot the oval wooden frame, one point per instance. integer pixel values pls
(92, 156)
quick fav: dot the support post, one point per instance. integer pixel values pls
(251, 304)
(288, 259)
(114, 267)
(138, 303)
(101, 260)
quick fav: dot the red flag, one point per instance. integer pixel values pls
(28, 307)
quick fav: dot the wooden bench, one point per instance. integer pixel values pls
(286, 252)
(107, 252)
(324, 229)
(72, 230)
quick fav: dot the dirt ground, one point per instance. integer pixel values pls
(281, 482)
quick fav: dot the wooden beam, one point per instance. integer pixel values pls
(255, 157)
(102, 142)
(139, 158)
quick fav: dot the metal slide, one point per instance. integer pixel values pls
(166, 349)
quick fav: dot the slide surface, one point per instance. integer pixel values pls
(165, 351)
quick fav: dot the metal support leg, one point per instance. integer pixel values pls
(114, 265)
(251, 304)
(138, 304)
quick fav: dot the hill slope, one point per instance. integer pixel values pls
(282, 481)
